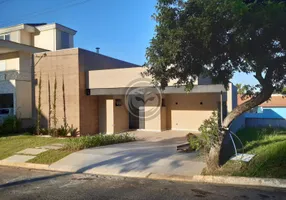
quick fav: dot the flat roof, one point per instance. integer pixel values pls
(9, 46)
(168, 90)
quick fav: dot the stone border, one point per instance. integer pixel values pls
(224, 180)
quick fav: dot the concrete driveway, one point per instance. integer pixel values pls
(152, 153)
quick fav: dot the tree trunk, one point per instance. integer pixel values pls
(214, 157)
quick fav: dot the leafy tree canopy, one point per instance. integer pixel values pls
(217, 38)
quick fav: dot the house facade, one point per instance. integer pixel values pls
(100, 94)
(17, 46)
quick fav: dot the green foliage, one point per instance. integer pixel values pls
(49, 157)
(217, 38)
(39, 115)
(75, 144)
(210, 134)
(10, 125)
(49, 101)
(55, 120)
(64, 103)
(269, 147)
(195, 142)
(12, 144)
(63, 131)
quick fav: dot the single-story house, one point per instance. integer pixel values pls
(93, 92)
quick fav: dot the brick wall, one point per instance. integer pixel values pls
(62, 65)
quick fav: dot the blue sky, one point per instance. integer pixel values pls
(121, 28)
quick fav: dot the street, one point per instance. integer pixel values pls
(31, 184)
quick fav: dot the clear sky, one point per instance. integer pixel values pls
(121, 28)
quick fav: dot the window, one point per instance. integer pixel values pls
(6, 101)
(5, 37)
(65, 40)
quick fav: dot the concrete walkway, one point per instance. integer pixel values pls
(153, 153)
(30, 153)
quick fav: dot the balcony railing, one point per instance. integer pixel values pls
(15, 75)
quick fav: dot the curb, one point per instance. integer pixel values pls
(223, 180)
(25, 165)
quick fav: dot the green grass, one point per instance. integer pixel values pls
(269, 146)
(50, 156)
(84, 142)
(12, 144)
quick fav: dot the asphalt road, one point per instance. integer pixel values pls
(30, 184)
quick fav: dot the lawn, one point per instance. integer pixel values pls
(269, 146)
(10, 145)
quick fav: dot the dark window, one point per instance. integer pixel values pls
(5, 37)
(118, 102)
(65, 40)
(6, 100)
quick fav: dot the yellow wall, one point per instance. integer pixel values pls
(188, 113)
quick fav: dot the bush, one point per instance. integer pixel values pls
(209, 134)
(11, 124)
(75, 144)
(60, 132)
(195, 142)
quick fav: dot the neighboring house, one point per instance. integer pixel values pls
(103, 94)
(17, 45)
(271, 113)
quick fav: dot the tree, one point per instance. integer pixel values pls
(217, 38)
(241, 89)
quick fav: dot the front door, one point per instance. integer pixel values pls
(136, 111)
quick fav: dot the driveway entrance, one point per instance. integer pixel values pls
(152, 153)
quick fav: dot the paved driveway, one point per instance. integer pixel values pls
(152, 153)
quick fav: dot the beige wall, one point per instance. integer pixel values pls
(24, 99)
(121, 116)
(112, 119)
(15, 36)
(46, 39)
(11, 60)
(113, 78)
(88, 108)
(123, 77)
(184, 111)
(62, 65)
(26, 38)
(153, 121)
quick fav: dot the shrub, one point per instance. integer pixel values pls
(195, 142)
(209, 134)
(75, 144)
(11, 124)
